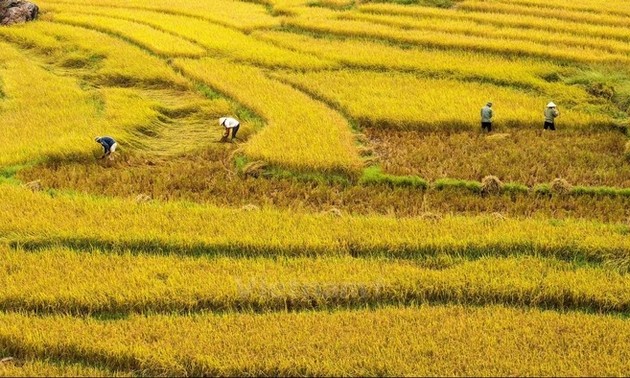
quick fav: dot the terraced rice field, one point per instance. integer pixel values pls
(362, 224)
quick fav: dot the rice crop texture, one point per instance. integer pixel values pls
(525, 156)
(33, 125)
(313, 136)
(499, 14)
(445, 21)
(352, 229)
(32, 218)
(153, 39)
(465, 65)
(42, 368)
(96, 282)
(201, 177)
(432, 104)
(251, 15)
(216, 38)
(443, 340)
(116, 62)
(456, 39)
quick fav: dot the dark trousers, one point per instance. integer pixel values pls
(486, 125)
(235, 130)
(549, 125)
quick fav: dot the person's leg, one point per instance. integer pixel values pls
(552, 127)
(489, 126)
(235, 130)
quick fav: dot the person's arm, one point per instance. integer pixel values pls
(490, 113)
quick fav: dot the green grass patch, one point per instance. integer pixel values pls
(8, 174)
(374, 176)
(600, 191)
(208, 92)
(514, 188)
(608, 83)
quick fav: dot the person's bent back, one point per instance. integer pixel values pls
(108, 143)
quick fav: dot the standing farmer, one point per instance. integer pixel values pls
(550, 115)
(109, 145)
(486, 117)
(229, 123)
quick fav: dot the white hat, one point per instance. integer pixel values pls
(97, 139)
(551, 105)
(489, 103)
(221, 120)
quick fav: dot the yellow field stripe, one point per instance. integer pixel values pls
(33, 218)
(465, 64)
(468, 27)
(238, 14)
(301, 132)
(489, 15)
(116, 62)
(612, 7)
(436, 38)
(432, 104)
(551, 13)
(216, 38)
(96, 282)
(154, 40)
(444, 340)
(18, 367)
(33, 125)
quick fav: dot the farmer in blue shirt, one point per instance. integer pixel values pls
(108, 143)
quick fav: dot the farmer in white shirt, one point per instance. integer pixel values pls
(229, 123)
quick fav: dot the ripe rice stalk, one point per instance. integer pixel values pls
(333, 343)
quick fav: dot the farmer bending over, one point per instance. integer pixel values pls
(229, 123)
(109, 145)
